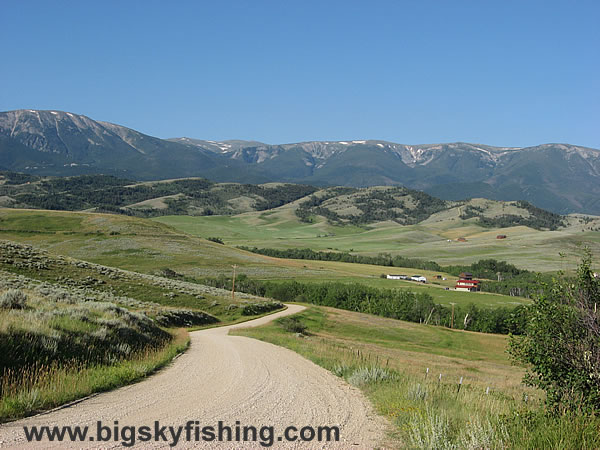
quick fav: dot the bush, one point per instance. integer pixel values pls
(292, 324)
(13, 299)
(184, 318)
(561, 343)
(254, 309)
(368, 375)
(169, 273)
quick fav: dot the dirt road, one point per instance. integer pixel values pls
(222, 378)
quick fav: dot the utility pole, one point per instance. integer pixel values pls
(233, 284)
(452, 321)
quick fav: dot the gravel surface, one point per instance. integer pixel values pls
(224, 378)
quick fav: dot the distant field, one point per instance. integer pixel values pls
(440, 296)
(434, 238)
(148, 246)
(369, 275)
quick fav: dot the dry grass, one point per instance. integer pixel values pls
(41, 387)
(388, 359)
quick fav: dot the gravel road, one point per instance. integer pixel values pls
(223, 378)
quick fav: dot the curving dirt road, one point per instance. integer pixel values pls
(223, 378)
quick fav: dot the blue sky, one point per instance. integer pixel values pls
(512, 73)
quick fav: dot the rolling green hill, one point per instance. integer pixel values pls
(200, 197)
(150, 247)
(435, 238)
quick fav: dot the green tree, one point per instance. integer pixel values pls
(561, 343)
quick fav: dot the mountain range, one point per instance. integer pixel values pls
(563, 178)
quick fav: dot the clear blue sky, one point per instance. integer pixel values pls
(501, 72)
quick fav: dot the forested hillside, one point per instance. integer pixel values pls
(106, 193)
(201, 197)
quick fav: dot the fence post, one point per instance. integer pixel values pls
(459, 385)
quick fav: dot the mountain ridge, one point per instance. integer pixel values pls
(563, 178)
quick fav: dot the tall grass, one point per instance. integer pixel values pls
(432, 412)
(28, 390)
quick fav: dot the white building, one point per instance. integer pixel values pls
(397, 277)
(419, 278)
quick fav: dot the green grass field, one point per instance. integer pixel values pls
(147, 246)
(433, 239)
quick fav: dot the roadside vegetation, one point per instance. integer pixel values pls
(454, 389)
(57, 345)
(158, 293)
(69, 328)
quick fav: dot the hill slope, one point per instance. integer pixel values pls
(200, 197)
(193, 196)
(560, 177)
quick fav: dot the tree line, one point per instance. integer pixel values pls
(513, 280)
(398, 304)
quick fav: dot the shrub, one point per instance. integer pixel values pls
(184, 318)
(253, 309)
(431, 430)
(417, 393)
(561, 344)
(340, 370)
(368, 375)
(169, 273)
(13, 299)
(292, 324)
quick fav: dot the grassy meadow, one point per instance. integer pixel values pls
(433, 239)
(398, 366)
(148, 246)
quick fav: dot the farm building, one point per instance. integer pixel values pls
(419, 278)
(397, 277)
(467, 285)
(462, 239)
(465, 276)
(501, 236)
